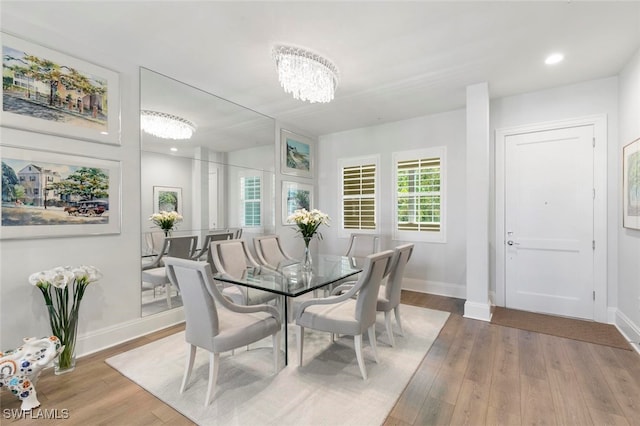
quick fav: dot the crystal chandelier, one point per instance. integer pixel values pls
(305, 75)
(166, 126)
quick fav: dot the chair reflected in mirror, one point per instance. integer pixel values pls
(203, 253)
(154, 273)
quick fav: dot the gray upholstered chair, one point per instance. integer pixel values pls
(390, 292)
(218, 330)
(155, 274)
(232, 257)
(214, 236)
(361, 245)
(269, 251)
(344, 315)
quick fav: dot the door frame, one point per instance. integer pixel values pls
(599, 123)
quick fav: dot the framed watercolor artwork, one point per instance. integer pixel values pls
(297, 154)
(167, 199)
(51, 194)
(295, 196)
(631, 185)
(46, 91)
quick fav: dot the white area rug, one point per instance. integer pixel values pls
(327, 390)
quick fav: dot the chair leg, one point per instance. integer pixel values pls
(387, 322)
(300, 343)
(372, 341)
(276, 352)
(396, 310)
(167, 288)
(191, 356)
(214, 362)
(358, 345)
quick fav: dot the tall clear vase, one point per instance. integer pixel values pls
(66, 332)
(307, 263)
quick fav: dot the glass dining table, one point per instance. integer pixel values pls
(289, 280)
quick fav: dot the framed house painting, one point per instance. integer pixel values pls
(631, 185)
(295, 196)
(51, 194)
(297, 154)
(46, 91)
(167, 199)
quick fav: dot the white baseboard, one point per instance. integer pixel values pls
(478, 311)
(435, 287)
(111, 336)
(628, 328)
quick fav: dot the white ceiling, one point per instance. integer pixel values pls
(396, 60)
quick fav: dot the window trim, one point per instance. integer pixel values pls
(421, 236)
(353, 162)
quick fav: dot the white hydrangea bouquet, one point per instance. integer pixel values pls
(63, 288)
(166, 220)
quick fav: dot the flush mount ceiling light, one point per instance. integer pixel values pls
(306, 75)
(554, 58)
(166, 126)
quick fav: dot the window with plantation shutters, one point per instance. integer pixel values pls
(359, 194)
(419, 195)
(250, 196)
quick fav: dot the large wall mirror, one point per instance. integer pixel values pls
(219, 180)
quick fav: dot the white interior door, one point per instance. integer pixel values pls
(549, 221)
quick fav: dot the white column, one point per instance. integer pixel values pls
(478, 305)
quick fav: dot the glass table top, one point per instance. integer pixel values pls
(290, 280)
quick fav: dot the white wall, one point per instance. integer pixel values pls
(110, 310)
(628, 314)
(574, 101)
(434, 267)
(165, 170)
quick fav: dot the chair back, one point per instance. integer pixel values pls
(269, 251)
(393, 289)
(369, 283)
(214, 236)
(182, 247)
(237, 233)
(197, 290)
(231, 257)
(154, 241)
(362, 245)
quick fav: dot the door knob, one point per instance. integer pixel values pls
(511, 243)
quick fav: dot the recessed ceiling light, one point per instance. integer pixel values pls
(554, 58)
(173, 149)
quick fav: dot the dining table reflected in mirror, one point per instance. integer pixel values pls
(215, 170)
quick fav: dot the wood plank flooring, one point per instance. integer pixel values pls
(475, 373)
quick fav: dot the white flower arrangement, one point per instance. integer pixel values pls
(166, 220)
(57, 285)
(308, 222)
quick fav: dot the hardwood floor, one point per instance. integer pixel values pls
(475, 373)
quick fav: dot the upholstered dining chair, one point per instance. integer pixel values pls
(214, 236)
(389, 293)
(361, 245)
(232, 257)
(342, 314)
(269, 251)
(217, 330)
(155, 274)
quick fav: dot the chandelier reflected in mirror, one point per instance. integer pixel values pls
(166, 126)
(306, 75)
